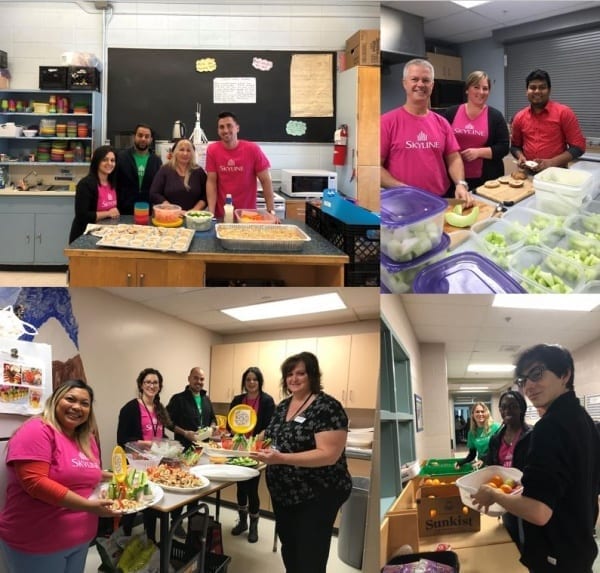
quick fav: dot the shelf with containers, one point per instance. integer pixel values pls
(66, 124)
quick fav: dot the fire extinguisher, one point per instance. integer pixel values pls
(340, 145)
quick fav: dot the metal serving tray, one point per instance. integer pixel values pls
(261, 237)
(146, 238)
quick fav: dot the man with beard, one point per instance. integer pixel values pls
(546, 132)
(418, 147)
(136, 168)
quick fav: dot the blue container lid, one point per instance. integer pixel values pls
(394, 267)
(409, 205)
(465, 273)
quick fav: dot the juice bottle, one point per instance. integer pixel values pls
(228, 209)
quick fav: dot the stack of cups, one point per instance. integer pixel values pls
(141, 213)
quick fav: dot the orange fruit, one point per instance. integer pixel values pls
(431, 496)
(465, 510)
(506, 488)
(428, 481)
(432, 512)
(492, 484)
(497, 480)
(436, 481)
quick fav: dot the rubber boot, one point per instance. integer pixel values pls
(253, 533)
(242, 524)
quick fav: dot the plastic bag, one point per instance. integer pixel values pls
(84, 59)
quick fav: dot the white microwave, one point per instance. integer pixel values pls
(307, 182)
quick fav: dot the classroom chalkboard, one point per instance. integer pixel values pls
(160, 86)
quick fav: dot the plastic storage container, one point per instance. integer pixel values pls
(465, 273)
(253, 216)
(533, 222)
(398, 277)
(539, 270)
(351, 537)
(499, 239)
(561, 191)
(412, 223)
(443, 467)
(167, 213)
(198, 220)
(587, 224)
(469, 484)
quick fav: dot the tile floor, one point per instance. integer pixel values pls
(245, 557)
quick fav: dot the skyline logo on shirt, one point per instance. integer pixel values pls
(231, 167)
(422, 142)
(83, 462)
(468, 129)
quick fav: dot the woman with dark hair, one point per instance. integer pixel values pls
(508, 447)
(143, 418)
(307, 474)
(95, 194)
(53, 464)
(561, 475)
(181, 181)
(247, 491)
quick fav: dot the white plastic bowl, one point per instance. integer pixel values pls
(470, 483)
(30, 132)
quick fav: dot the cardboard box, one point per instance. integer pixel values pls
(362, 49)
(441, 511)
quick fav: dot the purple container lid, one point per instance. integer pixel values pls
(465, 273)
(395, 267)
(409, 205)
(383, 289)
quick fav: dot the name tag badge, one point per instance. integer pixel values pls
(300, 419)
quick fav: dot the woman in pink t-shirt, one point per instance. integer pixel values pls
(481, 132)
(53, 465)
(96, 195)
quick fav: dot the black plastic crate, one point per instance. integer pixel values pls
(80, 78)
(186, 560)
(361, 275)
(312, 216)
(53, 77)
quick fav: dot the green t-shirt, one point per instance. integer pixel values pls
(480, 440)
(141, 161)
(198, 400)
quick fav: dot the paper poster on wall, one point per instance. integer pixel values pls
(26, 376)
(311, 85)
(234, 90)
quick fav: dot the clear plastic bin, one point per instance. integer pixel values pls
(533, 223)
(539, 270)
(562, 191)
(499, 239)
(587, 224)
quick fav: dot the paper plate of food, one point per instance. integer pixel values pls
(225, 472)
(176, 480)
(129, 499)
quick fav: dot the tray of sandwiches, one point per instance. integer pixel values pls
(146, 238)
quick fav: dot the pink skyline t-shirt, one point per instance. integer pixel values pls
(56, 528)
(414, 148)
(151, 427)
(107, 198)
(471, 133)
(236, 171)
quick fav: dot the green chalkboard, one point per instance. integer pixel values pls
(159, 87)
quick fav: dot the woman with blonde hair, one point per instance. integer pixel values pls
(480, 130)
(53, 466)
(481, 428)
(180, 181)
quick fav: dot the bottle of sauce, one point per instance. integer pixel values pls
(228, 209)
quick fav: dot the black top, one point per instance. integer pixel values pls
(562, 470)
(519, 453)
(130, 424)
(292, 485)
(128, 187)
(184, 413)
(86, 205)
(498, 139)
(266, 407)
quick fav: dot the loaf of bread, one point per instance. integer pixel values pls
(491, 184)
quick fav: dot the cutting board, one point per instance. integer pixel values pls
(506, 194)
(485, 211)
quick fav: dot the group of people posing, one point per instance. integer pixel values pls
(553, 521)
(53, 465)
(116, 181)
(453, 150)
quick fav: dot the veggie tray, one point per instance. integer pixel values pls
(146, 238)
(244, 462)
(130, 505)
(261, 237)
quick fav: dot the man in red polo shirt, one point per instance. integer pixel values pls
(546, 132)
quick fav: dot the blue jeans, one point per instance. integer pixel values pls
(67, 561)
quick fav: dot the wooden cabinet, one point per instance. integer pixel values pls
(446, 67)
(297, 345)
(358, 105)
(271, 354)
(221, 373)
(334, 356)
(363, 373)
(295, 209)
(33, 230)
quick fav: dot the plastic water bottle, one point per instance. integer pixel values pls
(2, 177)
(228, 209)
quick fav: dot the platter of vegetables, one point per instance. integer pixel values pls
(132, 494)
(232, 447)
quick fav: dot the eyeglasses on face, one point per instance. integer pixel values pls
(535, 375)
(151, 382)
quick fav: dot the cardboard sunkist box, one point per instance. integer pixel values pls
(441, 511)
(362, 49)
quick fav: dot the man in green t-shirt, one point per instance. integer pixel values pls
(136, 168)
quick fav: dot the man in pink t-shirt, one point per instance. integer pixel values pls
(418, 147)
(232, 167)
